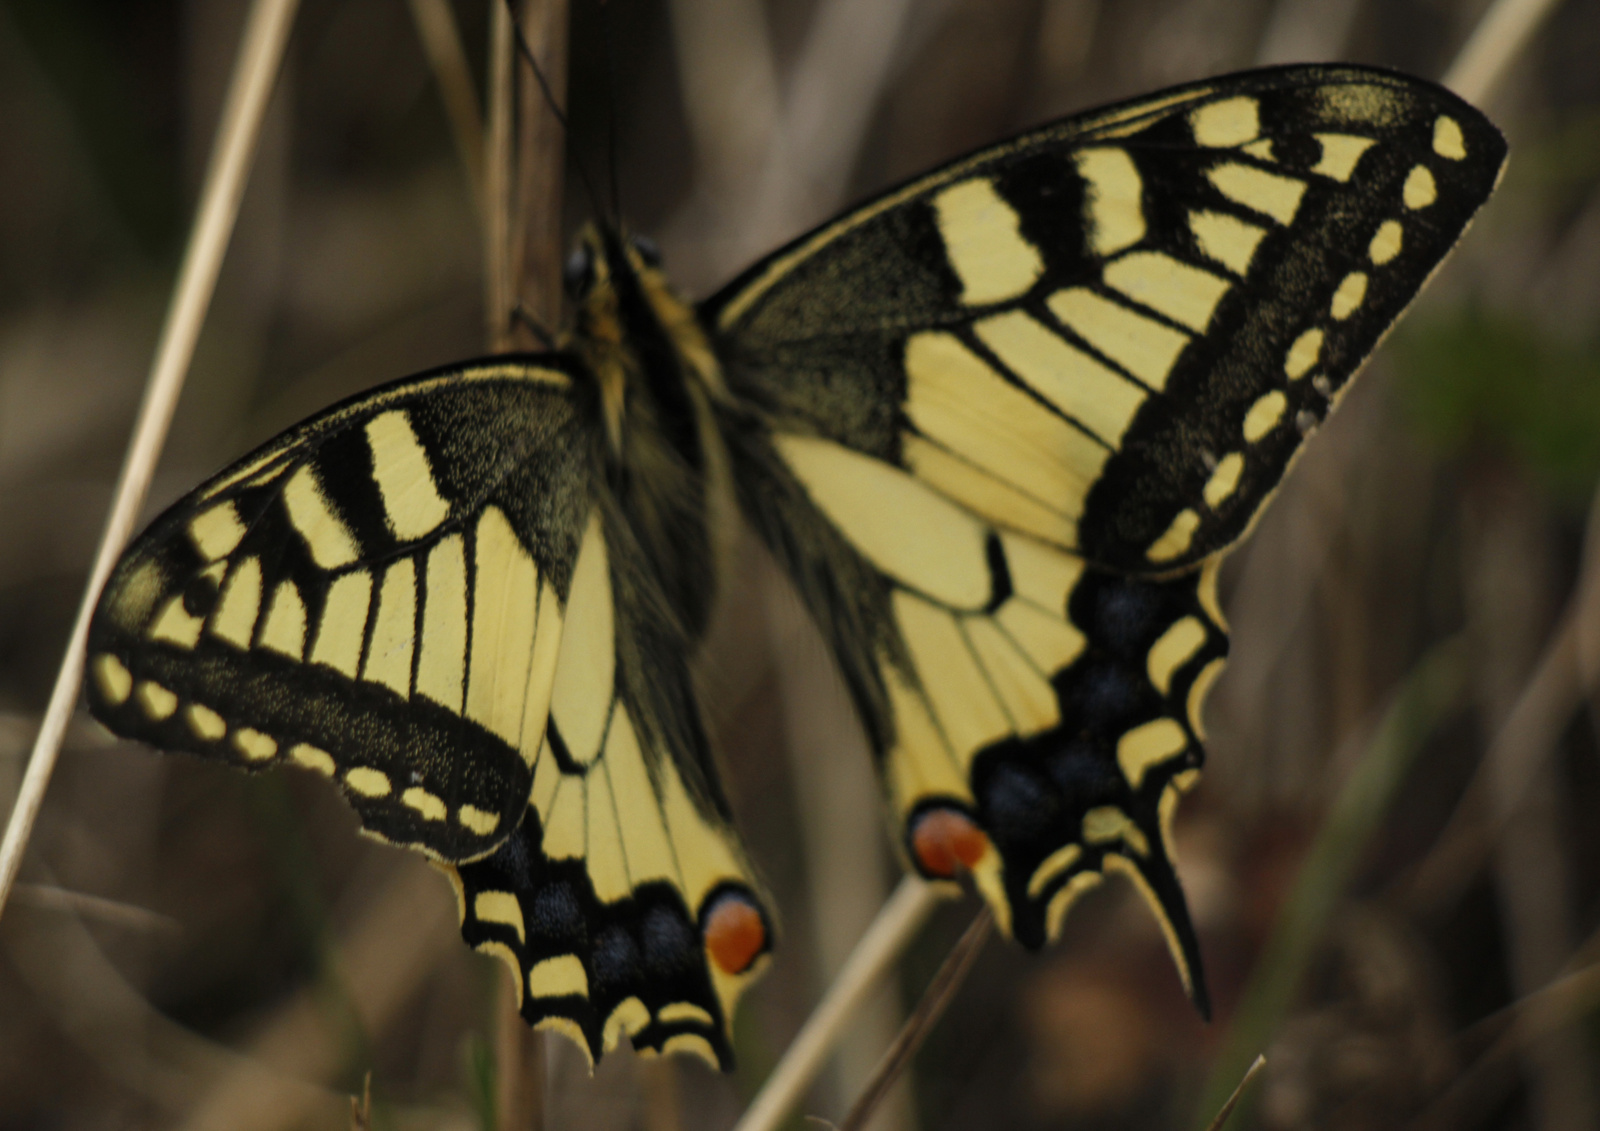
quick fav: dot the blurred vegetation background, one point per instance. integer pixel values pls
(1392, 857)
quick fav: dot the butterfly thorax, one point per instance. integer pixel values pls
(656, 379)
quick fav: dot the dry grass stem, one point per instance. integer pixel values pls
(498, 164)
(260, 53)
(877, 951)
(1496, 41)
(1565, 1001)
(1429, 694)
(441, 40)
(526, 143)
(111, 912)
(361, 1107)
(947, 980)
(1553, 692)
(1226, 1110)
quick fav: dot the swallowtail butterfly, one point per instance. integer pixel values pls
(999, 426)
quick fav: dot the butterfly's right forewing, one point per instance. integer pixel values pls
(376, 595)
(428, 595)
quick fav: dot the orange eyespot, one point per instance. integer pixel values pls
(735, 932)
(947, 841)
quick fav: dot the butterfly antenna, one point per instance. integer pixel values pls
(611, 114)
(550, 100)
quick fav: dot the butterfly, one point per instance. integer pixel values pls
(998, 426)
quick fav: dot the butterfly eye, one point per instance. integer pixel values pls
(578, 274)
(648, 250)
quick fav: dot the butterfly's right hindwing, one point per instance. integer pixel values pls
(431, 595)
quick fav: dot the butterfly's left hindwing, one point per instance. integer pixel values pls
(430, 595)
(1000, 424)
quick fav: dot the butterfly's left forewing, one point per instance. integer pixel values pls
(416, 595)
(1018, 409)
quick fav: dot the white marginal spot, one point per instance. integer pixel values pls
(678, 1011)
(1340, 152)
(411, 499)
(428, 806)
(1149, 746)
(1198, 690)
(1141, 345)
(690, 1044)
(1183, 293)
(1231, 122)
(1419, 190)
(312, 758)
(156, 701)
(254, 745)
(1113, 199)
(1224, 480)
(477, 820)
(1177, 538)
(368, 782)
(1347, 299)
(326, 536)
(113, 678)
(501, 907)
(1303, 354)
(983, 240)
(567, 1027)
(234, 620)
(1108, 825)
(1271, 194)
(1385, 243)
(629, 1017)
(1096, 397)
(585, 680)
(1264, 415)
(1225, 238)
(216, 532)
(1058, 862)
(562, 976)
(1447, 139)
(910, 532)
(205, 722)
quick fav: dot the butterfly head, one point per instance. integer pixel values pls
(636, 333)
